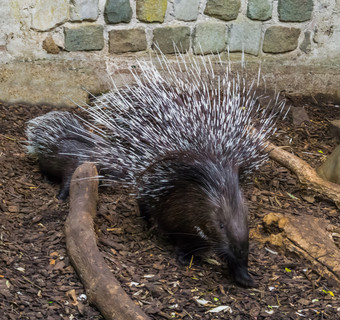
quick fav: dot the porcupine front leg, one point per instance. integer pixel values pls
(67, 166)
(186, 247)
(65, 183)
(240, 273)
(64, 190)
(183, 256)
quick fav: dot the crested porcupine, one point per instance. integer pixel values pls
(182, 135)
(60, 143)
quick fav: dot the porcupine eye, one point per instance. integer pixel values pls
(221, 225)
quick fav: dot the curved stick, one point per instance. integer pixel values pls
(306, 174)
(102, 288)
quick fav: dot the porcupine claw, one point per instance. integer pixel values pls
(65, 187)
(240, 274)
(243, 278)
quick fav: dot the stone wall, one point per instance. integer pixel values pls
(259, 27)
(93, 31)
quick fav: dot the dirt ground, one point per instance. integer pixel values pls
(38, 282)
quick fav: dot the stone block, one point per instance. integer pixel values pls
(168, 37)
(306, 44)
(330, 169)
(209, 37)
(50, 46)
(84, 38)
(52, 82)
(48, 14)
(223, 9)
(151, 10)
(280, 39)
(121, 41)
(260, 9)
(186, 10)
(84, 10)
(117, 11)
(245, 36)
(295, 11)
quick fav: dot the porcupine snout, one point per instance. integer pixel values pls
(238, 266)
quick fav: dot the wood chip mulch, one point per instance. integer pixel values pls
(38, 282)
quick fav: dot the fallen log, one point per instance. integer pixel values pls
(306, 236)
(305, 173)
(102, 288)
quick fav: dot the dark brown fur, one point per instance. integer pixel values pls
(60, 143)
(201, 207)
(58, 165)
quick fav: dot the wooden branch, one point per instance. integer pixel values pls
(307, 237)
(306, 174)
(102, 288)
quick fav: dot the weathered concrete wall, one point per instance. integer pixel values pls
(50, 48)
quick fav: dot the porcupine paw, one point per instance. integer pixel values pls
(63, 193)
(243, 278)
(65, 187)
(183, 257)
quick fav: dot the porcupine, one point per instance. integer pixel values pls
(185, 135)
(60, 143)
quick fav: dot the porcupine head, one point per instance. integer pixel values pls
(230, 228)
(204, 210)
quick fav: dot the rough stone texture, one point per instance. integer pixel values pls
(280, 39)
(295, 11)
(50, 46)
(84, 10)
(51, 82)
(335, 130)
(223, 9)
(8, 22)
(245, 36)
(121, 41)
(337, 6)
(330, 169)
(84, 38)
(117, 11)
(166, 37)
(306, 44)
(209, 37)
(299, 115)
(326, 30)
(151, 10)
(260, 9)
(34, 83)
(186, 10)
(48, 14)
(13, 23)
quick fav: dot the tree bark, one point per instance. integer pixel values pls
(102, 288)
(306, 236)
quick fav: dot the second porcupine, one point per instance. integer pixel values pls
(185, 134)
(60, 143)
